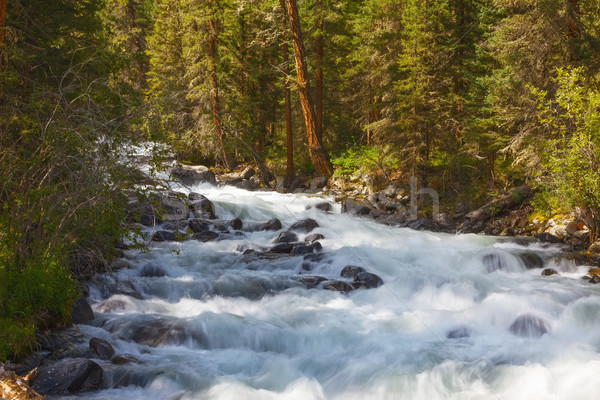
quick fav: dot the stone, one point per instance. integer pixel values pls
(286, 237)
(594, 247)
(351, 271)
(391, 190)
(169, 207)
(236, 224)
(338, 286)
(206, 236)
(160, 332)
(199, 225)
(125, 359)
(69, 376)
(59, 339)
(547, 237)
(271, 225)
(324, 206)
(101, 348)
(152, 271)
(356, 206)
(190, 175)
(367, 280)
(110, 305)
(304, 225)
(528, 325)
(549, 272)
(311, 281)
(459, 333)
(282, 248)
(301, 249)
(82, 312)
(313, 237)
(423, 224)
(203, 207)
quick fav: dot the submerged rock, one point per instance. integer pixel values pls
(102, 348)
(313, 237)
(125, 359)
(202, 207)
(532, 260)
(528, 325)
(286, 237)
(311, 281)
(236, 224)
(69, 376)
(549, 272)
(493, 262)
(459, 333)
(152, 271)
(206, 236)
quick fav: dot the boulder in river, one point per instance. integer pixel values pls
(528, 325)
(549, 272)
(192, 174)
(271, 225)
(201, 206)
(304, 225)
(532, 260)
(301, 249)
(168, 236)
(69, 376)
(367, 280)
(338, 286)
(152, 271)
(350, 271)
(206, 236)
(101, 348)
(125, 359)
(82, 312)
(286, 237)
(311, 281)
(459, 333)
(313, 237)
(236, 223)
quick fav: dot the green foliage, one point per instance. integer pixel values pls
(364, 160)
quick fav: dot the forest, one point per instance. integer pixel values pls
(471, 97)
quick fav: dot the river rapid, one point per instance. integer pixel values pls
(222, 325)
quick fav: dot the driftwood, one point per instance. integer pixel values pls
(15, 387)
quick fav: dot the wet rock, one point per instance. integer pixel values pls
(69, 376)
(324, 206)
(112, 305)
(152, 271)
(160, 332)
(423, 224)
(313, 237)
(60, 339)
(271, 225)
(532, 260)
(81, 312)
(549, 272)
(26, 364)
(101, 348)
(301, 249)
(125, 359)
(236, 224)
(547, 237)
(168, 236)
(286, 237)
(338, 286)
(304, 225)
(356, 206)
(206, 236)
(199, 225)
(203, 207)
(351, 271)
(246, 185)
(493, 262)
(367, 280)
(282, 248)
(190, 175)
(528, 325)
(169, 206)
(312, 281)
(459, 333)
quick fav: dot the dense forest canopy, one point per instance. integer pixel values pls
(469, 96)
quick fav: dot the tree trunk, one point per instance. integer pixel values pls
(319, 94)
(137, 45)
(2, 34)
(573, 28)
(318, 154)
(212, 43)
(290, 174)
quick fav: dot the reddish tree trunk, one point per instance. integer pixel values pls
(137, 45)
(318, 154)
(212, 43)
(573, 27)
(289, 178)
(319, 94)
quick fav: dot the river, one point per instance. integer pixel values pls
(223, 325)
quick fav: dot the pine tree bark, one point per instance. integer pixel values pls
(290, 173)
(212, 44)
(2, 35)
(137, 45)
(318, 154)
(319, 93)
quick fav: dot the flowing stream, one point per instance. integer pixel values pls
(223, 325)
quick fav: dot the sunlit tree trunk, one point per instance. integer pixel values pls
(289, 178)
(318, 154)
(212, 43)
(319, 93)
(137, 45)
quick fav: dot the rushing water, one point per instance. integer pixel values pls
(221, 325)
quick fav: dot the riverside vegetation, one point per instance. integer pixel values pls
(470, 97)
